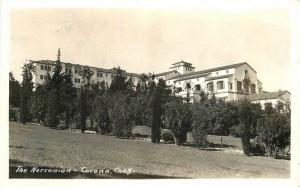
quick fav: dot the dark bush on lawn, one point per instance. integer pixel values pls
(274, 130)
(167, 136)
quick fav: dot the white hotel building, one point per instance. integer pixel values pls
(226, 82)
(43, 67)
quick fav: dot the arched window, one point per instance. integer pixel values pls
(210, 86)
(220, 85)
(253, 88)
(197, 87)
(239, 86)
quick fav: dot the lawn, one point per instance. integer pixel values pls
(33, 145)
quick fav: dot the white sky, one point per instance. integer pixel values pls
(150, 40)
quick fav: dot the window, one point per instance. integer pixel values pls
(239, 86)
(106, 75)
(49, 68)
(220, 85)
(77, 80)
(112, 76)
(197, 87)
(210, 86)
(99, 74)
(253, 88)
(132, 79)
(76, 71)
(230, 85)
(41, 77)
(68, 71)
(42, 67)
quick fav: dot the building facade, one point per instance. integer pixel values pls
(227, 83)
(272, 98)
(43, 68)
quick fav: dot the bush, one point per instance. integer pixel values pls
(202, 122)
(13, 114)
(199, 136)
(177, 117)
(274, 131)
(167, 136)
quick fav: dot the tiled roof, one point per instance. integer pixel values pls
(266, 95)
(165, 73)
(51, 62)
(48, 62)
(211, 70)
(218, 77)
(182, 62)
(192, 77)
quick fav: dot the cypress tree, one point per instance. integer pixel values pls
(26, 92)
(54, 84)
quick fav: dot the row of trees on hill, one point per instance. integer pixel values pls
(114, 110)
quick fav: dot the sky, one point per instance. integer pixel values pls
(143, 40)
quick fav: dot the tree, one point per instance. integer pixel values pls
(100, 114)
(39, 103)
(54, 86)
(14, 91)
(248, 117)
(119, 81)
(160, 95)
(178, 118)
(121, 116)
(226, 116)
(67, 98)
(26, 92)
(274, 130)
(203, 120)
(86, 97)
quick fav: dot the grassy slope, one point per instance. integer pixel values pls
(61, 148)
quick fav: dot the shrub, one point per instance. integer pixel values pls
(274, 131)
(13, 116)
(177, 117)
(202, 122)
(200, 136)
(167, 136)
